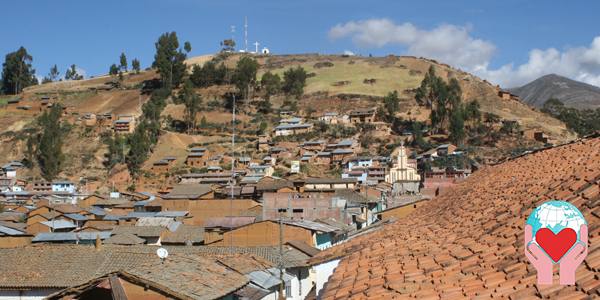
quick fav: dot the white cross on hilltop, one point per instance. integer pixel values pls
(256, 45)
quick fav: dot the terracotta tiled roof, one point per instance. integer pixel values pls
(468, 243)
(60, 266)
(185, 234)
(179, 276)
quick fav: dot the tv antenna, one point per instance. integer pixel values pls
(162, 254)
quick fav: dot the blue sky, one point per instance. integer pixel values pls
(499, 35)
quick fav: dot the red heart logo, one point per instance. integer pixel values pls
(556, 245)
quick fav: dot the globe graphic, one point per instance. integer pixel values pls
(556, 216)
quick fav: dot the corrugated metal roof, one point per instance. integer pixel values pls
(268, 278)
(140, 214)
(69, 236)
(59, 224)
(9, 231)
(312, 225)
(172, 213)
(96, 211)
(76, 217)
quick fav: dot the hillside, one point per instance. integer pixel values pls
(469, 241)
(343, 77)
(335, 83)
(572, 93)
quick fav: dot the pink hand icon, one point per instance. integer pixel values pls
(540, 261)
(572, 260)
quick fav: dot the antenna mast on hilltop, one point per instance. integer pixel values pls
(246, 34)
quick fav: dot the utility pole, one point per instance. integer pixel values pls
(281, 282)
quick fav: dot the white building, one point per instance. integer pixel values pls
(403, 174)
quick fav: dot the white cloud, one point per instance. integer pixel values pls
(349, 53)
(448, 43)
(580, 63)
(454, 45)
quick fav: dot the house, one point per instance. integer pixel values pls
(266, 233)
(13, 235)
(70, 237)
(323, 158)
(63, 186)
(268, 160)
(445, 149)
(292, 129)
(262, 170)
(150, 234)
(263, 142)
(329, 118)
(196, 157)
(208, 178)
(160, 167)
(215, 227)
(404, 174)
(42, 186)
(244, 160)
(312, 146)
(291, 121)
(506, 95)
(362, 116)
(359, 161)
(302, 206)
(338, 155)
(189, 192)
(401, 211)
(279, 152)
(189, 277)
(124, 124)
(328, 184)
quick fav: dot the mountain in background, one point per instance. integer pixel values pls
(572, 93)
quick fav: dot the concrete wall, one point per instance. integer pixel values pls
(34, 294)
(14, 241)
(322, 272)
(264, 234)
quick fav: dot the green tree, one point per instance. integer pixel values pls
(271, 83)
(169, 60)
(114, 70)
(17, 72)
(52, 75)
(294, 81)
(473, 112)
(139, 147)
(457, 126)
(265, 107)
(30, 151)
(135, 65)
(228, 45)
(244, 76)
(116, 150)
(440, 97)
(391, 103)
(50, 156)
(187, 47)
(71, 74)
(192, 103)
(123, 62)
(209, 74)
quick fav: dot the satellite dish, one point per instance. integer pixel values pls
(162, 253)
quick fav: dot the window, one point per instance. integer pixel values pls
(281, 210)
(298, 210)
(288, 290)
